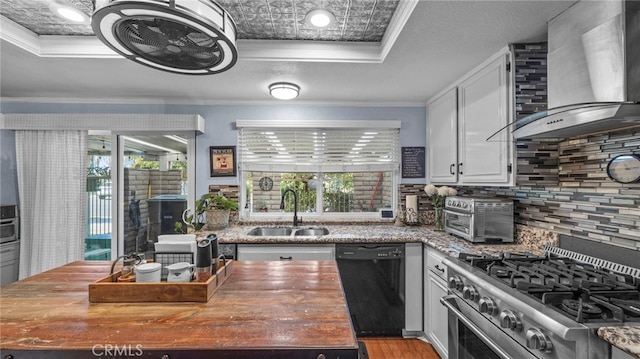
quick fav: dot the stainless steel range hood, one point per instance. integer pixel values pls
(593, 72)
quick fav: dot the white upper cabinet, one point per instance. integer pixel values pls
(442, 138)
(460, 120)
(484, 109)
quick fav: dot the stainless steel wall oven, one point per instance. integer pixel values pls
(9, 222)
(9, 244)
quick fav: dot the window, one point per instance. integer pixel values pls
(336, 169)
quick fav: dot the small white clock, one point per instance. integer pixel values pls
(624, 168)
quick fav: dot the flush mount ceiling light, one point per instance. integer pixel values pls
(68, 12)
(320, 18)
(284, 90)
(180, 36)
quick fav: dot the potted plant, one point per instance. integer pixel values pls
(211, 209)
(218, 210)
(193, 220)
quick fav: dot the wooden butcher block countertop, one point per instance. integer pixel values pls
(264, 310)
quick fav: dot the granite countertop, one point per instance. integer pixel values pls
(376, 233)
(529, 241)
(626, 339)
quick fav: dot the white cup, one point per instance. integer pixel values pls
(180, 272)
(148, 272)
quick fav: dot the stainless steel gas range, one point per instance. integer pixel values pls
(525, 306)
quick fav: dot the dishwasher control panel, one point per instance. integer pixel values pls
(370, 251)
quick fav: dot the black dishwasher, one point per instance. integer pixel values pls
(372, 276)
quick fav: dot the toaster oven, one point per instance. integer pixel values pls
(479, 220)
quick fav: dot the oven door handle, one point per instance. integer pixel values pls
(447, 302)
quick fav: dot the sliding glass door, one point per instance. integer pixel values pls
(137, 187)
(154, 188)
(99, 197)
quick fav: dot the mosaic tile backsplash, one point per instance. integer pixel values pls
(582, 201)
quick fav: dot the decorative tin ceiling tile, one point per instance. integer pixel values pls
(356, 20)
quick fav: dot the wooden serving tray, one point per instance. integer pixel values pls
(106, 291)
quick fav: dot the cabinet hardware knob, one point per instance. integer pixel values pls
(451, 171)
(460, 166)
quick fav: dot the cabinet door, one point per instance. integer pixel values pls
(484, 109)
(9, 262)
(438, 316)
(8, 272)
(435, 314)
(442, 144)
(266, 252)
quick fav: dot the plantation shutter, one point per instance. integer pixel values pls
(329, 146)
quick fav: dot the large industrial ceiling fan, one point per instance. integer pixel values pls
(195, 37)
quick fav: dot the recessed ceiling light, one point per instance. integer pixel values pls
(320, 18)
(284, 90)
(69, 12)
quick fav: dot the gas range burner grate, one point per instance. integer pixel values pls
(512, 269)
(603, 307)
(579, 308)
(596, 262)
(537, 290)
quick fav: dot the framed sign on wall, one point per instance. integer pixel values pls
(223, 161)
(413, 162)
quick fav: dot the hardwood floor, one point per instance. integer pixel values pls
(399, 348)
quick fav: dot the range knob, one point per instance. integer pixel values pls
(488, 306)
(509, 319)
(455, 282)
(470, 292)
(536, 339)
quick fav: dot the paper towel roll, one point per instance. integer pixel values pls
(411, 215)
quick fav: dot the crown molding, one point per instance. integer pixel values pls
(255, 50)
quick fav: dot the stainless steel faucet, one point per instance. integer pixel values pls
(295, 204)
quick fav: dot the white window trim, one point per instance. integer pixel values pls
(246, 214)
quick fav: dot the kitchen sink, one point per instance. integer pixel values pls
(270, 231)
(288, 231)
(313, 231)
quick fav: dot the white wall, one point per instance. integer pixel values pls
(220, 124)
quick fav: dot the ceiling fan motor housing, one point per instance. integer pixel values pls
(194, 37)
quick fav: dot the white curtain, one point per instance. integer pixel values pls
(52, 169)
